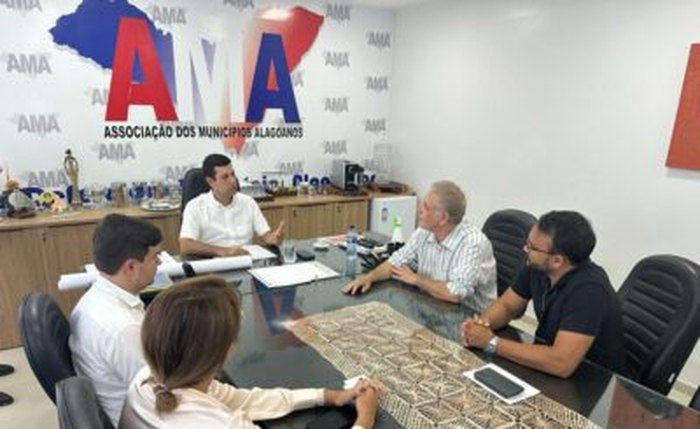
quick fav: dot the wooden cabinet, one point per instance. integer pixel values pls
(276, 215)
(66, 249)
(311, 221)
(169, 226)
(317, 220)
(352, 213)
(20, 273)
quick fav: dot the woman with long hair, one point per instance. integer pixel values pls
(187, 334)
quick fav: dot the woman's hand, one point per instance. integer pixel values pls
(339, 398)
(366, 404)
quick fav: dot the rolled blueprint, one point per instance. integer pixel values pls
(172, 269)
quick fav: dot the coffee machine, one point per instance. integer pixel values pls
(346, 175)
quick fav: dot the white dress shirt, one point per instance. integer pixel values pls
(464, 260)
(105, 342)
(210, 222)
(222, 406)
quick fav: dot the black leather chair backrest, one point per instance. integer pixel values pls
(45, 331)
(193, 184)
(695, 402)
(78, 407)
(508, 230)
(660, 302)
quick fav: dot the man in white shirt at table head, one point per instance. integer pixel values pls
(105, 338)
(221, 221)
(446, 257)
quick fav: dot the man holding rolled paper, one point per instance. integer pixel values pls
(105, 325)
(219, 222)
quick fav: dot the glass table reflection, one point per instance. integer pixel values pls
(268, 355)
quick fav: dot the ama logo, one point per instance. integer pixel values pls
(39, 124)
(379, 40)
(338, 12)
(22, 5)
(291, 167)
(169, 15)
(240, 4)
(335, 147)
(161, 71)
(98, 96)
(173, 173)
(50, 179)
(377, 83)
(337, 59)
(335, 104)
(27, 64)
(118, 152)
(375, 125)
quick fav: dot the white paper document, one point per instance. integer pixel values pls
(172, 269)
(293, 274)
(527, 392)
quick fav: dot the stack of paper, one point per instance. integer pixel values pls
(293, 274)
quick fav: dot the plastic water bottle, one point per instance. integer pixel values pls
(396, 232)
(351, 251)
(396, 236)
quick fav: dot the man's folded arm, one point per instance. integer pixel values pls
(507, 307)
(439, 289)
(560, 359)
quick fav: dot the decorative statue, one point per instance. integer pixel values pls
(70, 164)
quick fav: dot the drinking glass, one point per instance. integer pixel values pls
(289, 254)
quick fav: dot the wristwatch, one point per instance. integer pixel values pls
(491, 346)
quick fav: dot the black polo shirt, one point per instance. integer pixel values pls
(582, 301)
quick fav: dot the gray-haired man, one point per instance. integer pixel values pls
(446, 256)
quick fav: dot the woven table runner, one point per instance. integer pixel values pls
(422, 372)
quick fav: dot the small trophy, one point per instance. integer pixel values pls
(70, 164)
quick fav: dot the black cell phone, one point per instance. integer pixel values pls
(336, 418)
(498, 383)
(305, 255)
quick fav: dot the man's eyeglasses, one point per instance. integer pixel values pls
(529, 247)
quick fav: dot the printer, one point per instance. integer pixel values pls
(346, 175)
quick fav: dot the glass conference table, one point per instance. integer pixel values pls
(269, 355)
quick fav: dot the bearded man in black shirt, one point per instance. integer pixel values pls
(577, 309)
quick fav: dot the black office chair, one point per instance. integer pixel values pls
(695, 402)
(660, 302)
(508, 230)
(45, 331)
(193, 184)
(78, 407)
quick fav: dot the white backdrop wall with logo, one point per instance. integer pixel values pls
(55, 89)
